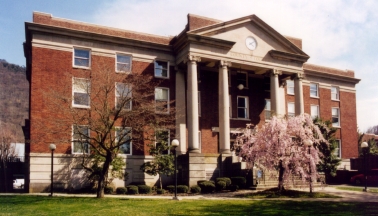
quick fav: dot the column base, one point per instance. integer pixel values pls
(194, 150)
(225, 151)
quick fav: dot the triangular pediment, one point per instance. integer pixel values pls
(270, 43)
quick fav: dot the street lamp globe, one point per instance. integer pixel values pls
(364, 145)
(308, 142)
(52, 147)
(175, 143)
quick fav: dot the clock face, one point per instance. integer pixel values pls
(251, 43)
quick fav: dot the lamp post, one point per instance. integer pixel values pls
(309, 144)
(52, 147)
(174, 144)
(364, 147)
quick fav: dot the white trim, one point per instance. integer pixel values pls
(338, 116)
(318, 111)
(74, 57)
(270, 109)
(128, 94)
(337, 93)
(287, 87)
(246, 107)
(73, 140)
(162, 77)
(130, 134)
(79, 91)
(293, 113)
(339, 148)
(116, 62)
(317, 90)
(164, 88)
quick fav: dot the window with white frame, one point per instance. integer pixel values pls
(162, 141)
(290, 109)
(335, 117)
(242, 78)
(314, 111)
(123, 96)
(123, 63)
(199, 103)
(334, 93)
(242, 107)
(81, 92)
(290, 87)
(80, 139)
(81, 57)
(161, 100)
(123, 137)
(268, 112)
(161, 69)
(337, 151)
(314, 90)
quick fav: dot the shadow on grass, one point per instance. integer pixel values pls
(275, 193)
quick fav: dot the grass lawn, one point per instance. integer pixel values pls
(357, 189)
(43, 205)
(274, 193)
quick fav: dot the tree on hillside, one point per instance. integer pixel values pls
(7, 151)
(280, 145)
(373, 130)
(108, 113)
(328, 160)
(163, 161)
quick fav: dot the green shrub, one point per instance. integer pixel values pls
(121, 190)
(220, 185)
(195, 189)
(182, 189)
(132, 189)
(108, 190)
(239, 181)
(160, 191)
(144, 189)
(200, 181)
(233, 187)
(207, 187)
(171, 188)
(225, 179)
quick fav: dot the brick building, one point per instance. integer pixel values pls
(221, 75)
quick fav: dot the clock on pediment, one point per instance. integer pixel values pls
(251, 43)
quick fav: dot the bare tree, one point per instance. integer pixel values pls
(7, 150)
(107, 113)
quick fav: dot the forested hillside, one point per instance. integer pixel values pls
(14, 97)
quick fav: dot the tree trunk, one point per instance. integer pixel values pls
(104, 175)
(280, 177)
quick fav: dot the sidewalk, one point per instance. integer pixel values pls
(347, 196)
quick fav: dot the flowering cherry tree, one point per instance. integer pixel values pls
(280, 145)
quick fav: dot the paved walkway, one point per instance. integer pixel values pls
(347, 196)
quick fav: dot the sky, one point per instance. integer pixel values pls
(336, 33)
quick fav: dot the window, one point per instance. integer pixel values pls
(81, 92)
(230, 105)
(314, 90)
(162, 69)
(337, 151)
(242, 107)
(199, 103)
(80, 138)
(82, 57)
(123, 63)
(199, 140)
(335, 117)
(242, 78)
(290, 87)
(161, 100)
(123, 96)
(291, 109)
(123, 136)
(268, 112)
(334, 93)
(162, 141)
(314, 111)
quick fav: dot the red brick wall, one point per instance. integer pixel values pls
(52, 69)
(348, 120)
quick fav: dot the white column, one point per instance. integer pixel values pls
(180, 111)
(275, 102)
(298, 88)
(224, 104)
(192, 103)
